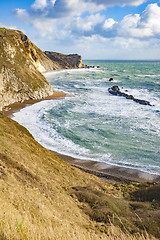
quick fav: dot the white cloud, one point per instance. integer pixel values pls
(151, 18)
(97, 47)
(22, 14)
(53, 16)
(119, 2)
(142, 25)
(64, 8)
(79, 6)
(45, 26)
(109, 23)
(88, 23)
(129, 43)
(39, 4)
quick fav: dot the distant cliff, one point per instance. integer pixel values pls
(21, 65)
(66, 61)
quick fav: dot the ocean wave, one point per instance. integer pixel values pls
(149, 75)
(95, 125)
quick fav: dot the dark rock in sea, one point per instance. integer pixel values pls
(143, 102)
(130, 97)
(98, 66)
(111, 79)
(115, 90)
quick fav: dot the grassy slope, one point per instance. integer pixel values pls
(44, 198)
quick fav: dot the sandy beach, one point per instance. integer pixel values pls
(102, 170)
(110, 172)
(15, 107)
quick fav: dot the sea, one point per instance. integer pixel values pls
(91, 124)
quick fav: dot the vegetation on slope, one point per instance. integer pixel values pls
(20, 62)
(42, 197)
(15, 56)
(21, 65)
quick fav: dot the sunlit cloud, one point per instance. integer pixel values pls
(64, 8)
(73, 21)
(146, 24)
(142, 25)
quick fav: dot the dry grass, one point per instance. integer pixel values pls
(37, 199)
(133, 216)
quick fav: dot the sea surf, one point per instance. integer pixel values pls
(92, 124)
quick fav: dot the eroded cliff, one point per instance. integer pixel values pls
(66, 61)
(21, 64)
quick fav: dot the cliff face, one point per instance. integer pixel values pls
(66, 61)
(21, 64)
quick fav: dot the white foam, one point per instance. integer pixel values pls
(32, 118)
(149, 75)
(77, 70)
(90, 97)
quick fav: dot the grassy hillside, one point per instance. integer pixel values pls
(42, 197)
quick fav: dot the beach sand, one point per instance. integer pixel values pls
(15, 107)
(102, 170)
(110, 172)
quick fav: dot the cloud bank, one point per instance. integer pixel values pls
(66, 15)
(85, 20)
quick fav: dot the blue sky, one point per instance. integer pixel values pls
(95, 29)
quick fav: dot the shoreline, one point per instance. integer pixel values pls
(16, 107)
(102, 170)
(110, 172)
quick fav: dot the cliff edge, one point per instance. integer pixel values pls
(66, 61)
(21, 64)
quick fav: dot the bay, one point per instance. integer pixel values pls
(90, 123)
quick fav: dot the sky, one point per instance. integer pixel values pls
(95, 29)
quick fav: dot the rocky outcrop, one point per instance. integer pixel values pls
(21, 64)
(66, 61)
(115, 90)
(110, 80)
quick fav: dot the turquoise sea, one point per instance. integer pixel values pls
(90, 123)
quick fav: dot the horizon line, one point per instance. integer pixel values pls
(121, 60)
